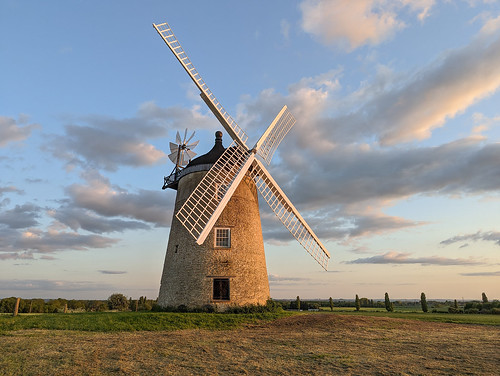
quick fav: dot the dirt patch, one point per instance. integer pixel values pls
(319, 344)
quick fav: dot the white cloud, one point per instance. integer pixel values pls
(404, 258)
(333, 166)
(12, 131)
(482, 274)
(422, 7)
(8, 189)
(53, 241)
(16, 256)
(21, 216)
(43, 285)
(352, 24)
(105, 200)
(285, 29)
(78, 218)
(489, 236)
(108, 143)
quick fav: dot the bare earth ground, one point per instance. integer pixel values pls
(319, 344)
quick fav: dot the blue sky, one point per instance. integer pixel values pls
(393, 161)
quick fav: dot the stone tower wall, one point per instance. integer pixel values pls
(190, 268)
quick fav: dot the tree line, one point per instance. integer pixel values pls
(483, 306)
(120, 302)
(115, 302)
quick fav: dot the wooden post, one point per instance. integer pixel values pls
(16, 309)
(31, 305)
(66, 308)
(136, 305)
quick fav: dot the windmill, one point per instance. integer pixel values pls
(181, 152)
(215, 253)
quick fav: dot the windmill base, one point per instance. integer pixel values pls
(230, 272)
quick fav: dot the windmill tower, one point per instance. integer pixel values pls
(215, 253)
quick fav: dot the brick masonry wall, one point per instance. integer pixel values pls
(189, 268)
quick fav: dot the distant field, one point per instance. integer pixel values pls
(461, 318)
(296, 344)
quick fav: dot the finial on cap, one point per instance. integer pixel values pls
(218, 137)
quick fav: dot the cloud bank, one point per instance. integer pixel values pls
(352, 24)
(404, 258)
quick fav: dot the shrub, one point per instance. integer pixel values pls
(313, 306)
(118, 302)
(208, 308)
(472, 310)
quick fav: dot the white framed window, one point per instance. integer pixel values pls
(223, 237)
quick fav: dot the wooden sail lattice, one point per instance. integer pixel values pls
(288, 215)
(275, 133)
(236, 132)
(205, 204)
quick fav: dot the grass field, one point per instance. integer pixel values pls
(303, 343)
(478, 319)
(157, 321)
(131, 321)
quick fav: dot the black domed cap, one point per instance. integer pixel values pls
(213, 155)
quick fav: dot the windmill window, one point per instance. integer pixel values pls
(221, 289)
(223, 237)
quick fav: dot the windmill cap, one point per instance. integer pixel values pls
(213, 155)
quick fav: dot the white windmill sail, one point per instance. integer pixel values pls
(205, 204)
(234, 130)
(288, 214)
(272, 137)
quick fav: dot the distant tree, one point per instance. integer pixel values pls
(388, 305)
(37, 306)
(8, 304)
(485, 299)
(76, 304)
(298, 303)
(423, 302)
(331, 304)
(357, 304)
(118, 301)
(455, 304)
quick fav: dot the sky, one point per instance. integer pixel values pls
(393, 160)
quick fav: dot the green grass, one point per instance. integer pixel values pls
(478, 319)
(131, 321)
(155, 321)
